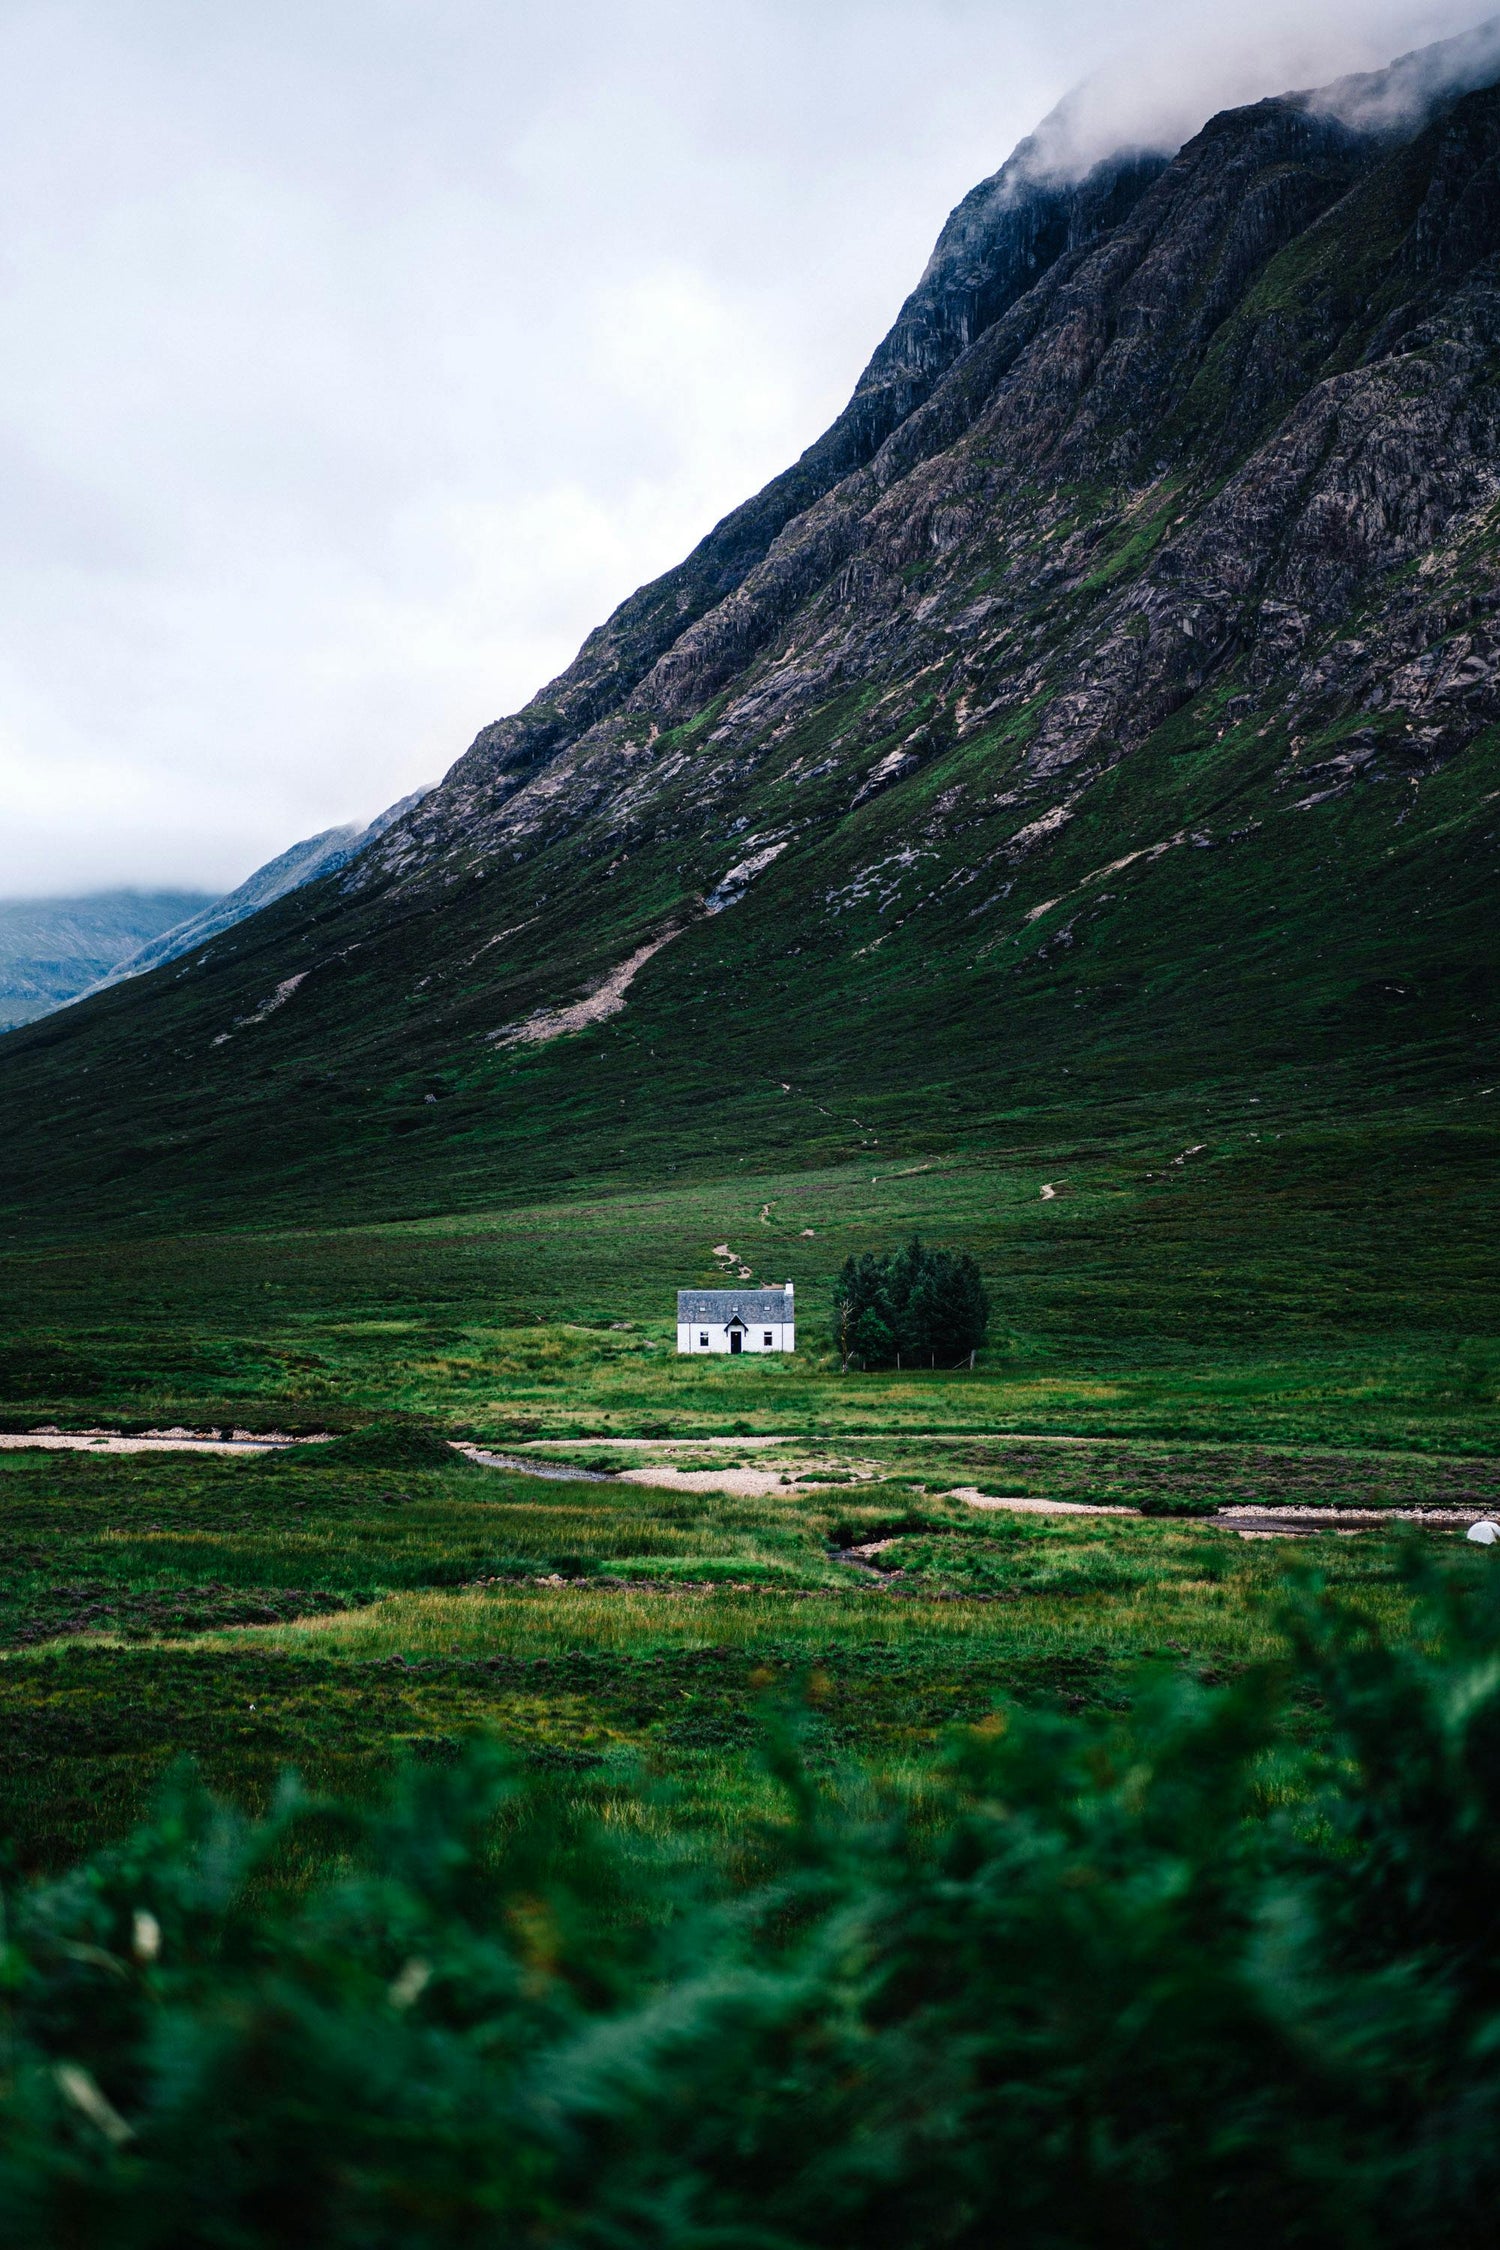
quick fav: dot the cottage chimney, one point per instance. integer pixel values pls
(789, 1289)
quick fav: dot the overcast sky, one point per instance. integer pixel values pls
(357, 356)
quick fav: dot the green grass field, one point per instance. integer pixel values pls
(1305, 1316)
(260, 1614)
(327, 1611)
(1297, 1280)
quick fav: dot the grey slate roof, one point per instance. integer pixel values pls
(718, 1306)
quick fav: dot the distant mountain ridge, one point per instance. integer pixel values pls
(300, 864)
(1104, 713)
(52, 949)
(56, 951)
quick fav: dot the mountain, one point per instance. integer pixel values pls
(51, 949)
(300, 864)
(1099, 725)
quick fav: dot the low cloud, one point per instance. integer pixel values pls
(1173, 67)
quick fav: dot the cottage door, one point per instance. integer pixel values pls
(736, 1341)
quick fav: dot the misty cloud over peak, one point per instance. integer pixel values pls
(1411, 87)
(1154, 97)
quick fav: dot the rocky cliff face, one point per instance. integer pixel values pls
(1163, 524)
(1003, 236)
(1275, 439)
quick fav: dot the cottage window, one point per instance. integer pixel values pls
(703, 1337)
(768, 1339)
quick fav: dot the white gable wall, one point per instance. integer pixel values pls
(783, 1334)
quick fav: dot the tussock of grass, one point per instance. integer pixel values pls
(380, 1445)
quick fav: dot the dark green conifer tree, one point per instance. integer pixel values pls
(912, 1304)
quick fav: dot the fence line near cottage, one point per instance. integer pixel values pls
(960, 1367)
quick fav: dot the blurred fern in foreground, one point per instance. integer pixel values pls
(1161, 1982)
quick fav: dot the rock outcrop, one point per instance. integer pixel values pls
(1277, 438)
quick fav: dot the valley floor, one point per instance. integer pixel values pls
(748, 1538)
(327, 1610)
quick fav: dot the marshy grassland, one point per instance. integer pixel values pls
(1232, 1329)
(328, 1610)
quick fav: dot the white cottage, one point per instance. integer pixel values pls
(736, 1320)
